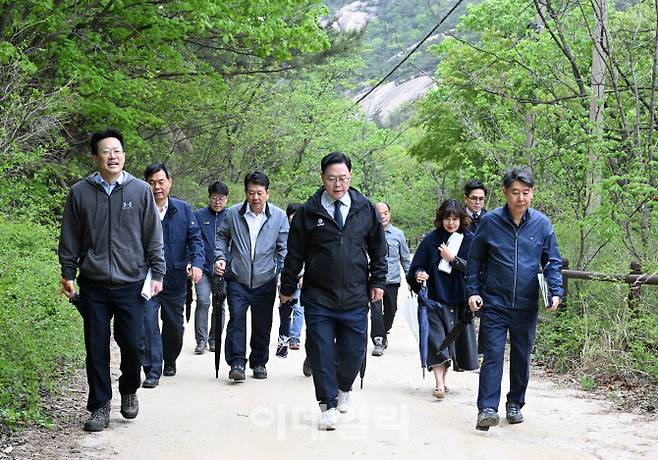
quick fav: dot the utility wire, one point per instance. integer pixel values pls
(431, 32)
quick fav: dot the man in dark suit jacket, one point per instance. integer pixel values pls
(475, 194)
(183, 249)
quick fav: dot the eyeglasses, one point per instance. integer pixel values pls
(341, 179)
(107, 152)
(476, 198)
(218, 199)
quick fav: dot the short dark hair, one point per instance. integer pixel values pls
(256, 178)
(100, 135)
(292, 208)
(218, 187)
(474, 184)
(335, 158)
(449, 208)
(154, 168)
(517, 174)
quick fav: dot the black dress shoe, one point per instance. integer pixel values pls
(150, 382)
(260, 372)
(169, 371)
(236, 373)
(129, 406)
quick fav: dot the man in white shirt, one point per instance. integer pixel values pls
(250, 245)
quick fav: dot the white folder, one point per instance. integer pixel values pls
(454, 243)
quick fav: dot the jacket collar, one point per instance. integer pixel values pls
(358, 200)
(244, 207)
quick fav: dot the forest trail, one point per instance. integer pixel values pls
(194, 415)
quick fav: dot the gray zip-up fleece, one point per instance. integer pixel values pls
(111, 239)
(234, 245)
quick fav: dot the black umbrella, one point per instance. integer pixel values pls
(218, 296)
(188, 300)
(362, 371)
(465, 320)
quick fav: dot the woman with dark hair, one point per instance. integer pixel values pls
(447, 289)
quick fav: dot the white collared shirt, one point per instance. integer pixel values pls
(254, 222)
(328, 204)
(109, 187)
(163, 211)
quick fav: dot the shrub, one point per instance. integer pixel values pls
(41, 338)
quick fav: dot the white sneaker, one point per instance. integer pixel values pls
(344, 404)
(328, 420)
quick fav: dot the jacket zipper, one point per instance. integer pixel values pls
(251, 277)
(516, 265)
(109, 234)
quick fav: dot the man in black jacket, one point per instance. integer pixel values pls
(332, 236)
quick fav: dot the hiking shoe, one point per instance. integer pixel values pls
(169, 371)
(328, 420)
(344, 404)
(487, 418)
(294, 345)
(513, 413)
(99, 419)
(129, 406)
(306, 368)
(379, 347)
(200, 348)
(150, 382)
(282, 350)
(236, 373)
(260, 372)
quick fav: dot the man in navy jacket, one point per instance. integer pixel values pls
(510, 246)
(209, 219)
(183, 248)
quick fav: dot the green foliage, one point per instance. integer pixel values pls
(40, 333)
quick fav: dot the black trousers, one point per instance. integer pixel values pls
(100, 304)
(382, 321)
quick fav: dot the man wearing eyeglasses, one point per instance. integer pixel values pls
(338, 238)
(209, 219)
(475, 193)
(110, 237)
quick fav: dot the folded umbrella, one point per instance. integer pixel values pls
(466, 318)
(218, 296)
(188, 300)
(424, 304)
(362, 371)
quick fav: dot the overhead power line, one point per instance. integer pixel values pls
(431, 32)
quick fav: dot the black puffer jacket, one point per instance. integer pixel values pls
(337, 272)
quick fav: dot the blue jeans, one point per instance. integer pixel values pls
(261, 301)
(100, 304)
(165, 346)
(336, 347)
(521, 325)
(297, 321)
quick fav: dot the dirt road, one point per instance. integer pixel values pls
(194, 415)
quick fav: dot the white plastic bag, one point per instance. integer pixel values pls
(409, 310)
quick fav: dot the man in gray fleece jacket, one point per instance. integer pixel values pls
(250, 245)
(110, 237)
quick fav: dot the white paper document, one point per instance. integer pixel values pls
(454, 243)
(543, 288)
(147, 292)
